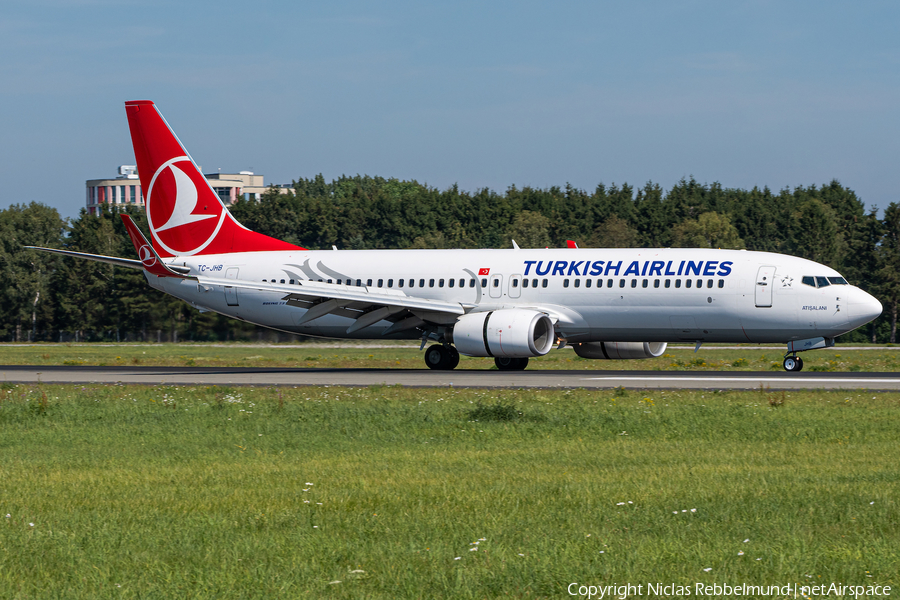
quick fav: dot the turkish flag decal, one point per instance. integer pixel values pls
(484, 271)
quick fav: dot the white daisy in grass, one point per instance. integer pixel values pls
(747, 540)
(457, 558)
(741, 553)
(693, 510)
(708, 569)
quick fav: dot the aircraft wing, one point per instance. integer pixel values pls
(367, 305)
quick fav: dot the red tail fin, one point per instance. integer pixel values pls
(185, 215)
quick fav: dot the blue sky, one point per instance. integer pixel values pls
(482, 94)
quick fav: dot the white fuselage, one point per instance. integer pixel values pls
(641, 295)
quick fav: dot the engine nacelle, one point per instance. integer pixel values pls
(510, 333)
(619, 350)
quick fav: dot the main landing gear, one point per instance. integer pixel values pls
(793, 363)
(510, 364)
(441, 358)
(445, 358)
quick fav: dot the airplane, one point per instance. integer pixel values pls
(512, 305)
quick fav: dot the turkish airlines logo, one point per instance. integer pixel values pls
(180, 219)
(148, 258)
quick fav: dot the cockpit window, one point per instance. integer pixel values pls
(824, 281)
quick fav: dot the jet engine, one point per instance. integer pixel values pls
(511, 333)
(619, 350)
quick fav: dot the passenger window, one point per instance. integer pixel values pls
(431, 283)
(634, 283)
(400, 283)
(380, 282)
(359, 283)
(534, 283)
(496, 283)
(390, 283)
(609, 283)
(422, 283)
(484, 283)
(565, 283)
(822, 282)
(282, 281)
(471, 283)
(266, 280)
(687, 283)
(668, 282)
(462, 282)
(543, 283)
(587, 283)
(709, 283)
(368, 282)
(721, 283)
(644, 283)
(515, 283)
(621, 283)
(656, 283)
(339, 281)
(677, 283)
(577, 283)
(452, 282)
(440, 283)
(524, 283)
(809, 281)
(320, 281)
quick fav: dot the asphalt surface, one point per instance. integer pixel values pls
(739, 380)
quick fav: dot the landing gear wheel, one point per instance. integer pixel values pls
(793, 364)
(441, 358)
(510, 364)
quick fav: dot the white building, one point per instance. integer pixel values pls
(126, 188)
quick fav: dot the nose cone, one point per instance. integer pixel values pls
(863, 307)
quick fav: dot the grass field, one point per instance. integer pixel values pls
(165, 492)
(400, 356)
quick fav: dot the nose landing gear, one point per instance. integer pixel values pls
(793, 363)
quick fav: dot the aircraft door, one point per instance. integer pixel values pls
(764, 284)
(496, 286)
(514, 282)
(231, 297)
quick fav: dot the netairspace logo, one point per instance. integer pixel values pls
(721, 590)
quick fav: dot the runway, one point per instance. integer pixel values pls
(734, 380)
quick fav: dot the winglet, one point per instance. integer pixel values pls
(571, 244)
(149, 258)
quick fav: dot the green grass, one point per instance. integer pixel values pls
(396, 356)
(263, 493)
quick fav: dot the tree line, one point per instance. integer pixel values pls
(50, 297)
